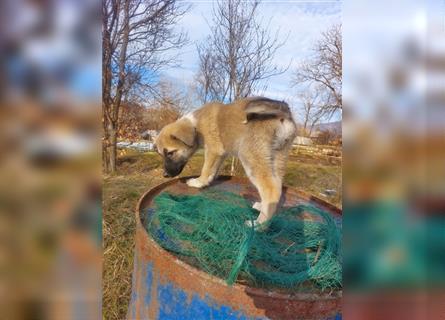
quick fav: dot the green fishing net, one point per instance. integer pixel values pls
(301, 245)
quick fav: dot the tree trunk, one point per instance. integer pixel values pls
(105, 158)
(112, 148)
(113, 105)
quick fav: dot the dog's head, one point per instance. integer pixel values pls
(176, 143)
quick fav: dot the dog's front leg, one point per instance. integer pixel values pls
(212, 163)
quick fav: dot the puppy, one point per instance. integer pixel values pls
(259, 131)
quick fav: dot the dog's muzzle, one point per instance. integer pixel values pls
(172, 169)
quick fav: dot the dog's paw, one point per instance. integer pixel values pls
(257, 206)
(251, 223)
(195, 183)
(257, 225)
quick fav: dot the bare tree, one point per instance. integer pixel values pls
(310, 111)
(169, 95)
(138, 36)
(323, 71)
(237, 54)
(131, 120)
(168, 106)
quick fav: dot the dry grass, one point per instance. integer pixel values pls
(138, 172)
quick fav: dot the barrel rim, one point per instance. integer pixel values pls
(148, 196)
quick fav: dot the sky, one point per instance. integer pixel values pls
(301, 22)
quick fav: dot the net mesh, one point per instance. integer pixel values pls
(301, 247)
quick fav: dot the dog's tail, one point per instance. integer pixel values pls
(264, 108)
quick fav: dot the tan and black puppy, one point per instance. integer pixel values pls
(259, 131)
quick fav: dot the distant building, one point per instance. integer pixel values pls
(303, 141)
(315, 134)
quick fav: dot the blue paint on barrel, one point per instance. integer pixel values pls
(148, 283)
(174, 304)
(227, 313)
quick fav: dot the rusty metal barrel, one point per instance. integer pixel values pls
(164, 287)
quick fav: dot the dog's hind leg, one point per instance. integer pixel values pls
(212, 162)
(269, 188)
(279, 163)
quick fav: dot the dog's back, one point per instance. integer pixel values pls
(259, 108)
(258, 120)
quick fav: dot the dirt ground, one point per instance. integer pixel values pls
(138, 172)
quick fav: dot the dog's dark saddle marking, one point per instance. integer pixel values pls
(264, 109)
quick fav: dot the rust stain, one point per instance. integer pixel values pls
(138, 285)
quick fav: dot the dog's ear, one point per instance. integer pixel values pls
(184, 132)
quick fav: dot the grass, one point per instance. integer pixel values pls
(138, 172)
